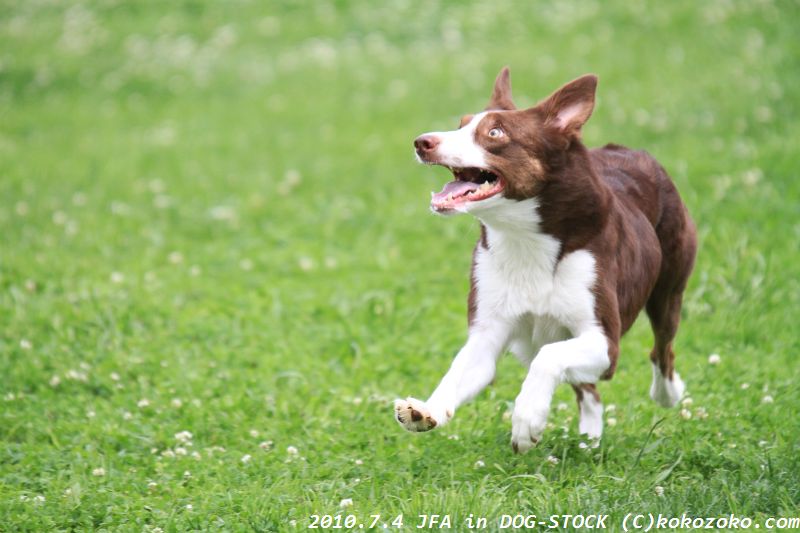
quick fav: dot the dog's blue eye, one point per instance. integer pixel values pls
(495, 132)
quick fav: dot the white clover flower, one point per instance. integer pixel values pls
(767, 399)
(687, 402)
(152, 485)
(610, 408)
(114, 376)
(162, 201)
(176, 403)
(744, 386)
(358, 462)
(183, 436)
(144, 402)
(79, 199)
(90, 414)
(291, 450)
(659, 490)
(55, 381)
(99, 472)
(25, 344)
(453, 437)
(168, 453)
(196, 455)
(347, 502)
(76, 375)
(714, 359)
(611, 422)
(254, 433)
(117, 277)
(701, 413)
(552, 459)
(246, 458)
(175, 258)
(187, 474)
(265, 445)
(358, 400)
(180, 450)
(189, 507)
(686, 414)
(222, 212)
(39, 498)
(306, 264)
(479, 464)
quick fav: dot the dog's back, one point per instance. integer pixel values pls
(641, 184)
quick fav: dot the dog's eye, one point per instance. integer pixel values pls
(496, 132)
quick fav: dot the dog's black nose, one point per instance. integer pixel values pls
(426, 143)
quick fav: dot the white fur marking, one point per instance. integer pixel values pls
(518, 274)
(591, 423)
(458, 148)
(666, 392)
(528, 300)
(582, 359)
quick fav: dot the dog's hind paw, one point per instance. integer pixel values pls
(414, 415)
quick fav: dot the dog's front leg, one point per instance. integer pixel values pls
(582, 359)
(471, 371)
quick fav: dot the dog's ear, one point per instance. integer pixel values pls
(501, 95)
(570, 107)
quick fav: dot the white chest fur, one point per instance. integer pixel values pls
(519, 275)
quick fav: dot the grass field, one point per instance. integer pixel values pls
(218, 267)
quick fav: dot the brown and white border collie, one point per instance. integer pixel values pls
(573, 244)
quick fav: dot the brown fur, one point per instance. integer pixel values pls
(618, 203)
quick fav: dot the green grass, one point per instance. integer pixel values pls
(214, 208)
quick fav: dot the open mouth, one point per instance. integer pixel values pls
(471, 185)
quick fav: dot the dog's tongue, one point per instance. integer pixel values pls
(455, 188)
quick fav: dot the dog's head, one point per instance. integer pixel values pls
(504, 152)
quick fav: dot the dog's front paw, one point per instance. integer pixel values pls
(414, 415)
(527, 427)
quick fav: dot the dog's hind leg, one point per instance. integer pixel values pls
(591, 410)
(664, 309)
(664, 312)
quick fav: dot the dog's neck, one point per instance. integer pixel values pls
(571, 206)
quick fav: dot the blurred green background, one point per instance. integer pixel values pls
(211, 221)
